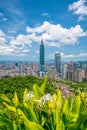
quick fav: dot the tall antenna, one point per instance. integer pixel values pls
(41, 40)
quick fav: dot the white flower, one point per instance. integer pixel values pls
(30, 95)
(46, 97)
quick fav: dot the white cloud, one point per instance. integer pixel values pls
(69, 56)
(26, 50)
(21, 39)
(6, 48)
(2, 33)
(11, 31)
(4, 19)
(34, 56)
(79, 8)
(1, 14)
(37, 51)
(74, 56)
(13, 50)
(45, 14)
(2, 37)
(55, 34)
(39, 29)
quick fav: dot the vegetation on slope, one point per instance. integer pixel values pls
(19, 83)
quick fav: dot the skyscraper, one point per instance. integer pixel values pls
(41, 64)
(58, 62)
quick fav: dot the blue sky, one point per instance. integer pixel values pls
(62, 24)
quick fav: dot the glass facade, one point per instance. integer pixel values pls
(58, 62)
(42, 56)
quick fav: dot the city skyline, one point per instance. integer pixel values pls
(61, 25)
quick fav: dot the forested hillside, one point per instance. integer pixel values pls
(9, 85)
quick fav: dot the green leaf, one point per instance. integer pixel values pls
(59, 100)
(76, 108)
(36, 92)
(15, 126)
(42, 88)
(5, 98)
(24, 113)
(76, 126)
(76, 105)
(11, 108)
(66, 110)
(82, 117)
(24, 96)
(15, 99)
(85, 123)
(32, 111)
(32, 125)
(7, 123)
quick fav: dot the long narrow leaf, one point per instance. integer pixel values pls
(11, 108)
(5, 98)
(7, 123)
(36, 91)
(32, 125)
(42, 88)
(15, 99)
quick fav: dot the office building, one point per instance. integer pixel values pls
(71, 66)
(64, 70)
(52, 73)
(70, 73)
(80, 75)
(58, 62)
(41, 64)
(42, 72)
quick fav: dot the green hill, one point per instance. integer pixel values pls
(9, 85)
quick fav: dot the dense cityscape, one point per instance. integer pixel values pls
(43, 65)
(73, 70)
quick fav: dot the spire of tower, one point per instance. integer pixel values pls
(41, 41)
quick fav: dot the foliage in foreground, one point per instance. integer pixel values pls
(44, 112)
(19, 83)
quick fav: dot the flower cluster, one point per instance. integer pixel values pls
(46, 97)
(30, 95)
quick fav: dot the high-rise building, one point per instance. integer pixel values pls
(52, 73)
(58, 62)
(71, 66)
(80, 75)
(64, 70)
(42, 72)
(41, 64)
(70, 74)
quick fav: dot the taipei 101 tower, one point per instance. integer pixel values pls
(41, 64)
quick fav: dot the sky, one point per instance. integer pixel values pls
(62, 24)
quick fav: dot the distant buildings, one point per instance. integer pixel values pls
(58, 62)
(10, 69)
(74, 72)
(52, 73)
